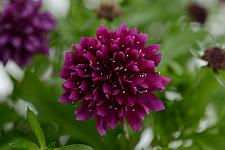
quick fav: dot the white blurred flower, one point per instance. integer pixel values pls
(64, 139)
(175, 144)
(59, 8)
(14, 70)
(209, 119)
(91, 4)
(145, 140)
(173, 96)
(188, 143)
(196, 63)
(216, 22)
(21, 107)
(6, 86)
(208, 3)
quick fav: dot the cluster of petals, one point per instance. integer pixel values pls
(24, 30)
(113, 77)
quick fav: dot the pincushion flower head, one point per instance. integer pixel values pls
(109, 10)
(197, 12)
(215, 56)
(24, 30)
(113, 74)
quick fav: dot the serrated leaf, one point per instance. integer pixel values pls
(36, 128)
(75, 147)
(24, 144)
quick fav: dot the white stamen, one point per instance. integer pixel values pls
(124, 92)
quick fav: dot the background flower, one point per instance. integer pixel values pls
(24, 30)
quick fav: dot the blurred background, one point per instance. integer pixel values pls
(194, 118)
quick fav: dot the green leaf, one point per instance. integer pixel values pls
(51, 146)
(209, 141)
(24, 144)
(36, 128)
(45, 100)
(75, 147)
(8, 114)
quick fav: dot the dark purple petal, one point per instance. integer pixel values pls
(134, 120)
(146, 65)
(151, 102)
(74, 95)
(111, 119)
(150, 53)
(106, 88)
(101, 125)
(83, 113)
(156, 82)
(64, 99)
(155, 103)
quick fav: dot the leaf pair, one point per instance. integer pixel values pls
(38, 132)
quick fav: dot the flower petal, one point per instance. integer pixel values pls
(101, 125)
(106, 88)
(134, 120)
(84, 112)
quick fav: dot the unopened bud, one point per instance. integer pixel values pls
(108, 10)
(215, 57)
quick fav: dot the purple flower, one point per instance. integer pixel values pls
(114, 76)
(109, 10)
(24, 30)
(215, 56)
(197, 13)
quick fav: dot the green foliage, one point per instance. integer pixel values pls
(37, 131)
(9, 114)
(75, 147)
(36, 128)
(24, 144)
